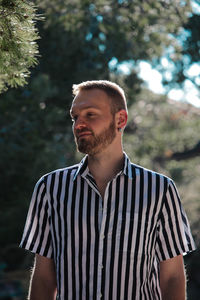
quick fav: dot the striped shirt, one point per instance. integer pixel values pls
(107, 248)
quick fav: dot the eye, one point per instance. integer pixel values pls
(91, 114)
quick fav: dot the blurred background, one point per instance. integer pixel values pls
(150, 48)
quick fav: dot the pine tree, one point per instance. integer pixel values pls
(18, 47)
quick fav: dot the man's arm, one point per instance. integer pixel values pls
(43, 281)
(172, 279)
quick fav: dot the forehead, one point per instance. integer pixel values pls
(94, 98)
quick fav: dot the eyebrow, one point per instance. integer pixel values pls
(85, 108)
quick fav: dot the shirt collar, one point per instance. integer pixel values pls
(84, 170)
(128, 169)
(82, 167)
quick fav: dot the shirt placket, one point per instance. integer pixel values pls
(102, 222)
(103, 207)
(101, 243)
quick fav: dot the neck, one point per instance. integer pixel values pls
(105, 165)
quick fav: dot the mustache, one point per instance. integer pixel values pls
(79, 131)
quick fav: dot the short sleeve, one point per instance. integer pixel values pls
(174, 236)
(37, 234)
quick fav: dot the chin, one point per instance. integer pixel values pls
(90, 152)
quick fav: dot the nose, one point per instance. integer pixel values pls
(79, 123)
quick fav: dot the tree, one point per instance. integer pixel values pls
(94, 35)
(186, 154)
(187, 55)
(18, 48)
(180, 62)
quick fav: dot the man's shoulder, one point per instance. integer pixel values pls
(60, 172)
(141, 170)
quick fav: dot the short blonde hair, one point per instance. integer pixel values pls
(114, 92)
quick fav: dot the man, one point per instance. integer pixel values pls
(105, 228)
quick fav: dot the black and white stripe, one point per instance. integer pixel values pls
(107, 248)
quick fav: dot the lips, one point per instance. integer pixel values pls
(83, 134)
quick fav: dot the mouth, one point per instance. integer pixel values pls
(83, 134)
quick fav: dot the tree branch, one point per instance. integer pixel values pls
(187, 154)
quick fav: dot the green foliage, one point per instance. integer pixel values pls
(31, 144)
(182, 58)
(126, 30)
(18, 48)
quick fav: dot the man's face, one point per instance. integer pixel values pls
(94, 126)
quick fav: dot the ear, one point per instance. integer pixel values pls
(121, 119)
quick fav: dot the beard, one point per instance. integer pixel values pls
(94, 144)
